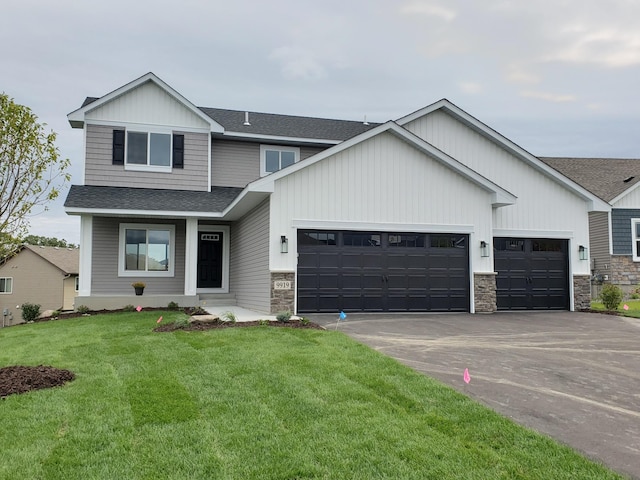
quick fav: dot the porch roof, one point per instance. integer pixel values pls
(90, 197)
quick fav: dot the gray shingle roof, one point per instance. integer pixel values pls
(124, 198)
(605, 177)
(66, 259)
(287, 125)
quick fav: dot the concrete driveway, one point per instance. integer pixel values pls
(572, 376)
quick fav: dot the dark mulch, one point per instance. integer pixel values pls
(21, 379)
(200, 326)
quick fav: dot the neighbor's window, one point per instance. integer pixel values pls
(146, 249)
(635, 234)
(6, 285)
(146, 148)
(274, 158)
(77, 284)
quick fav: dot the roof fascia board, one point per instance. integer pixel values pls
(620, 196)
(145, 125)
(139, 213)
(76, 118)
(595, 203)
(276, 138)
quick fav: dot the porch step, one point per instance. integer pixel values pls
(217, 299)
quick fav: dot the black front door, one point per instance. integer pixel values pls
(210, 260)
(533, 273)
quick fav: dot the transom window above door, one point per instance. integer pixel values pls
(274, 158)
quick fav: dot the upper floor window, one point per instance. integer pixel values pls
(635, 235)
(146, 150)
(274, 158)
(6, 285)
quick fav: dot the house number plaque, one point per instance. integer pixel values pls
(282, 285)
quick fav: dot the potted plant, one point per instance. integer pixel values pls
(139, 287)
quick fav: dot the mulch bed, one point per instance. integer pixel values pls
(201, 326)
(21, 379)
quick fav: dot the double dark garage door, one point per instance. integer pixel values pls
(404, 272)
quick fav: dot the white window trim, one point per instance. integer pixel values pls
(281, 148)
(148, 226)
(634, 239)
(136, 167)
(7, 278)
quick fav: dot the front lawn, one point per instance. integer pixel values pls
(633, 309)
(249, 403)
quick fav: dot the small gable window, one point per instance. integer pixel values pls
(6, 285)
(274, 158)
(156, 151)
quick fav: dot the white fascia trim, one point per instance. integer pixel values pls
(595, 203)
(383, 227)
(140, 213)
(275, 138)
(77, 116)
(624, 194)
(145, 127)
(502, 232)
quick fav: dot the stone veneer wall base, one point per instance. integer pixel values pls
(581, 292)
(283, 289)
(484, 292)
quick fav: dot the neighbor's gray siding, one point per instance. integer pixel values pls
(104, 271)
(621, 230)
(100, 171)
(599, 242)
(235, 164)
(249, 260)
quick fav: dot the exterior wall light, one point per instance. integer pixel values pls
(284, 244)
(484, 249)
(583, 253)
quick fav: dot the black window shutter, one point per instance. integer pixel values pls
(118, 147)
(178, 151)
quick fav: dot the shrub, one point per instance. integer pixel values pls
(82, 309)
(283, 316)
(611, 296)
(305, 321)
(229, 317)
(181, 322)
(30, 311)
(173, 306)
(263, 322)
(129, 308)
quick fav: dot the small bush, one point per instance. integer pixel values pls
(181, 322)
(198, 311)
(229, 317)
(264, 322)
(55, 314)
(611, 296)
(283, 316)
(173, 306)
(128, 308)
(305, 321)
(30, 311)
(83, 309)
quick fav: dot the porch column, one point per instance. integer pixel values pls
(191, 257)
(86, 244)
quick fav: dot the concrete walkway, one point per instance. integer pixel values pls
(572, 376)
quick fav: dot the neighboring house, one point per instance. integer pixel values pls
(47, 276)
(615, 235)
(432, 212)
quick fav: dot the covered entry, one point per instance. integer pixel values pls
(533, 273)
(382, 271)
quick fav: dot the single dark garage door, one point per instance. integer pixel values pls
(381, 271)
(533, 273)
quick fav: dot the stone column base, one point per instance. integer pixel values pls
(484, 292)
(283, 291)
(581, 292)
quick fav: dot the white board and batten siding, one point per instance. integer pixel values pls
(147, 104)
(249, 260)
(236, 163)
(381, 184)
(537, 210)
(100, 171)
(104, 268)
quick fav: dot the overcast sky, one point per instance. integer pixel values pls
(557, 77)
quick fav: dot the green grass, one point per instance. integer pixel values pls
(249, 403)
(633, 311)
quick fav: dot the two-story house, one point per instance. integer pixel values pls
(432, 212)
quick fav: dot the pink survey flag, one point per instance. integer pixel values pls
(466, 377)
(626, 307)
(138, 308)
(159, 320)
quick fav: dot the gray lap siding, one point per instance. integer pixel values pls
(100, 171)
(104, 268)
